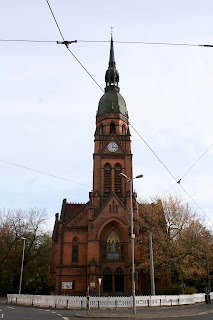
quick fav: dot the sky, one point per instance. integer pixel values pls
(48, 101)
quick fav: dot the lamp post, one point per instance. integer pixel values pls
(22, 264)
(132, 238)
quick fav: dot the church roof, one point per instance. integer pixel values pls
(112, 100)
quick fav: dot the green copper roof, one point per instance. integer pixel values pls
(112, 100)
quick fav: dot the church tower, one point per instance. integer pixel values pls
(91, 240)
(112, 154)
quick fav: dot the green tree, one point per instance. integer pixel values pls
(182, 244)
(15, 224)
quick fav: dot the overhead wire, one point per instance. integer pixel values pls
(153, 152)
(66, 44)
(13, 40)
(55, 20)
(197, 161)
(196, 203)
(189, 169)
(151, 43)
(42, 172)
(106, 41)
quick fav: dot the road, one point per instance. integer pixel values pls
(197, 312)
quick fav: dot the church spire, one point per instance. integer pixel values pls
(112, 75)
(111, 56)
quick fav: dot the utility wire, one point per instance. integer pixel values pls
(196, 203)
(189, 169)
(168, 190)
(7, 40)
(55, 19)
(66, 43)
(153, 152)
(67, 46)
(106, 41)
(197, 161)
(85, 69)
(152, 43)
(42, 172)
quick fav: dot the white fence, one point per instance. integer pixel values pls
(75, 302)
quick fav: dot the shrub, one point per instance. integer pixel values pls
(190, 290)
(171, 289)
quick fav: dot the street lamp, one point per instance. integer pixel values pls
(132, 238)
(22, 264)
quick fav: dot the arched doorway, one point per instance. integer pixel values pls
(119, 280)
(107, 280)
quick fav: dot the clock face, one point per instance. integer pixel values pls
(112, 147)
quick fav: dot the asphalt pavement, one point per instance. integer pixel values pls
(200, 311)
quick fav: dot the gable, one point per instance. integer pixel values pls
(79, 220)
(112, 145)
(112, 208)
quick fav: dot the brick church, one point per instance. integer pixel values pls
(92, 240)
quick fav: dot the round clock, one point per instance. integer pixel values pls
(112, 147)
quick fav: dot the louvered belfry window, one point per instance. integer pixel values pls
(107, 178)
(117, 178)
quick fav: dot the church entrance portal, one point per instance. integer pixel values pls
(119, 280)
(107, 280)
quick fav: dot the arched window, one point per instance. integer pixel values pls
(101, 129)
(113, 246)
(112, 128)
(75, 250)
(107, 178)
(123, 130)
(117, 178)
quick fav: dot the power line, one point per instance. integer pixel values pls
(67, 46)
(153, 152)
(151, 43)
(196, 203)
(189, 169)
(65, 42)
(197, 161)
(42, 172)
(55, 19)
(41, 41)
(107, 41)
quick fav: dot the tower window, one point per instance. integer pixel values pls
(101, 129)
(107, 178)
(112, 128)
(123, 130)
(117, 178)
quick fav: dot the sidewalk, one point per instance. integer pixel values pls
(144, 313)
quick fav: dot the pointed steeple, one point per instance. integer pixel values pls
(112, 75)
(111, 56)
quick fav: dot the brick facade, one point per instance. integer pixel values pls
(92, 241)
